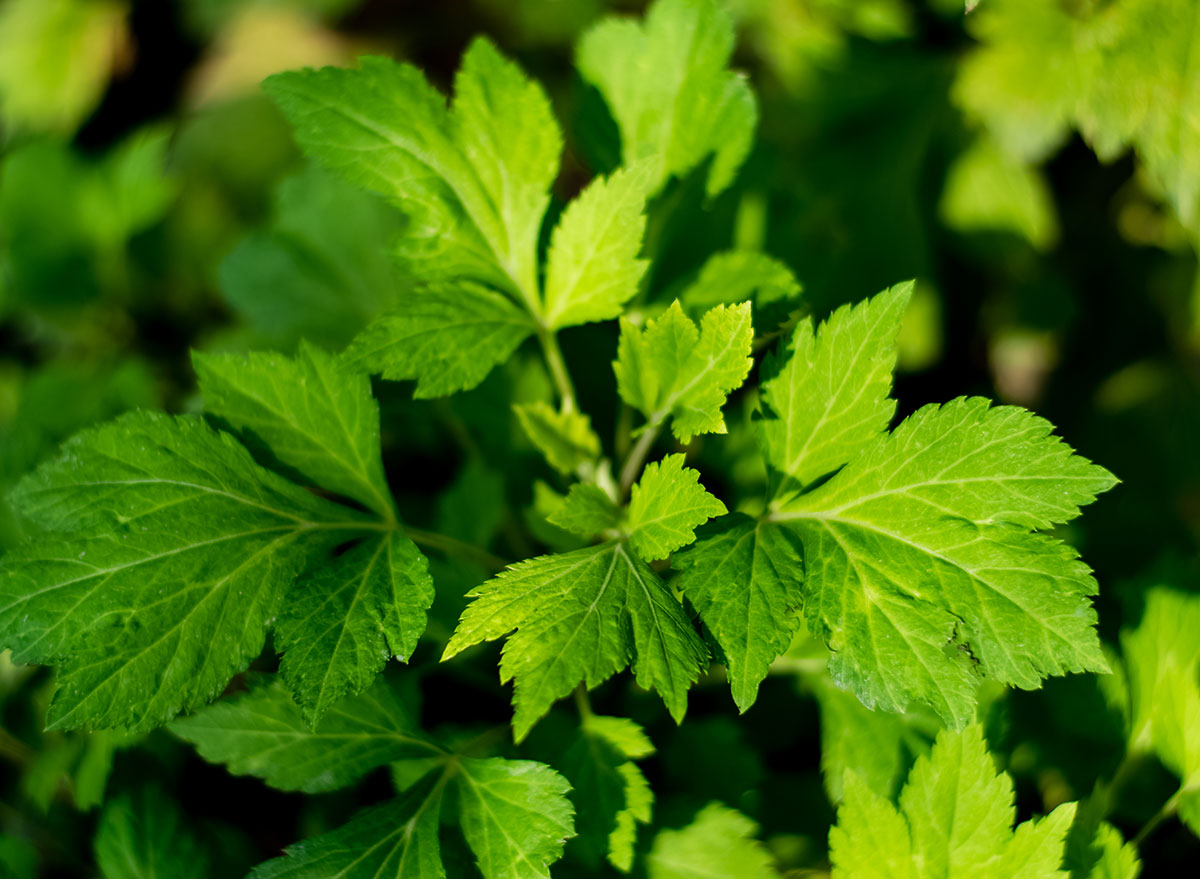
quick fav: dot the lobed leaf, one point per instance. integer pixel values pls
(580, 617)
(665, 507)
(264, 733)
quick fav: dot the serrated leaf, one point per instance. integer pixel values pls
(145, 837)
(828, 398)
(344, 621)
(955, 819)
(744, 577)
(514, 815)
(741, 276)
(671, 369)
(665, 507)
(474, 180)
(592, 268)
(580, 617)
(1162, 661)
(321, 270)
(396, 840)
(877, 746)
(172, 554)
(312, 414)
(923, 567)
(565, 438)
(667, 85)
(263, 733)
(719, 843)
(586, 511)
(446, 336)
(1117, 859)
(611, 795)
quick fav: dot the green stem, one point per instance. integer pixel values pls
(558, 369)
(452, 546)
(637, 457)
(1161, 815)
(582, 703)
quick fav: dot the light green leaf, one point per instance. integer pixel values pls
(39, 91)
(1162, 661)
(668, 87)
(955, 820)
(263, 733)
(744, 577)
(592, 268)
(145, 837)
(989, 191)
(314, 415)
(829, 398)
(514, 815)
(741, 276)
(586, 511)
(321, 270)
(877, 746)
(923, 569)
(565, 438)
(719, 843)
(580, 617)
(345, 620)
(474, 180)
(666, 506)
(446, 336)
(1117, 859)
(670, 368)
(610, 793)
(177, 552)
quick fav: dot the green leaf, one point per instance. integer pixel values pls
(610, 793)
(719, 843)
(829, 397)
(177, 549)
(446, 336)
(263, 733)
(668, 87)
(145, 837)
(670, 368)
(321, 270)
(565, 438)
(586, 511)
(741, 276)
(397, 840)
(474, 180)
(312, 414)
(923, 569)
(1117, 859)
(665, 507)
(514, 814)
(580, 617)
(345, 620)
(592, 268)
(1162, 661)
(38, 91)
(955, 819)
(877, 746)
(744, 577)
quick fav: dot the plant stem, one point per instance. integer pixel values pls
(558, 369)
(1161, 815)
(582, 703)
(637, 457)
(453, 546)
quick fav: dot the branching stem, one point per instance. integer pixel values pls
(453, 546)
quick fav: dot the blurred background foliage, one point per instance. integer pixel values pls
(1035, 164)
